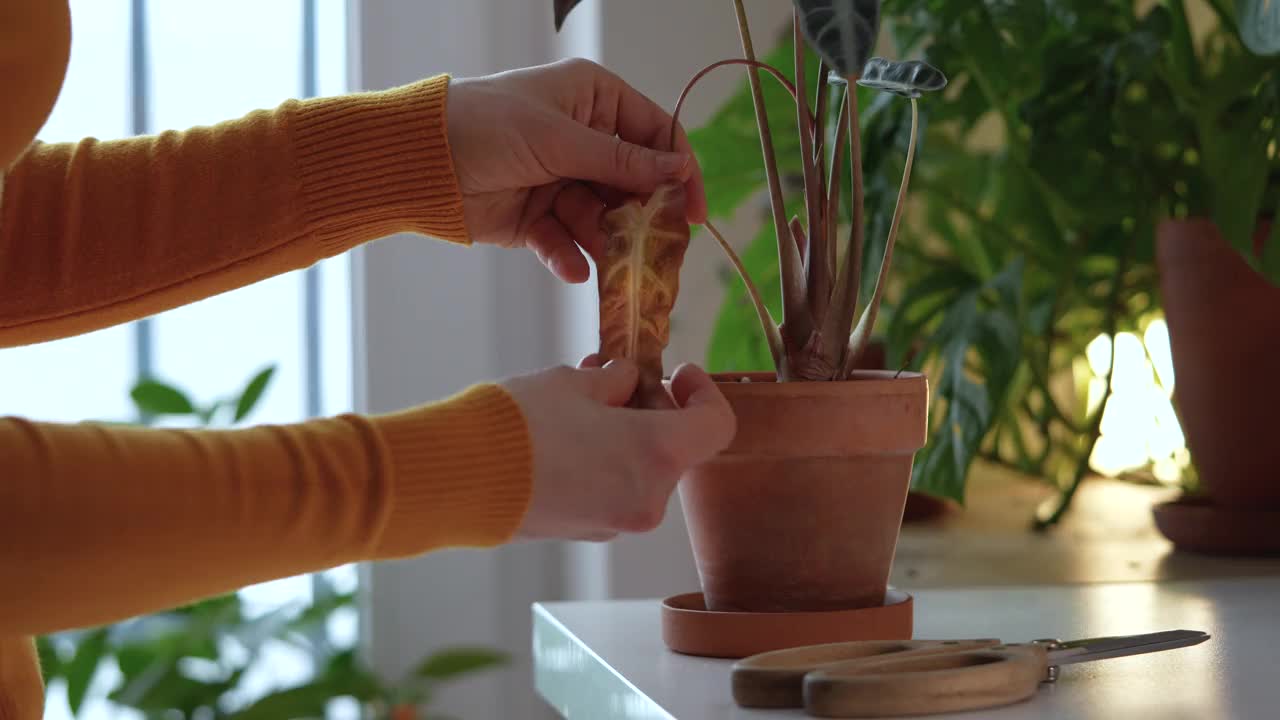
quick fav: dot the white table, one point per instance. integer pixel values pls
(602, 660)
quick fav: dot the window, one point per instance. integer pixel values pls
(139, 67)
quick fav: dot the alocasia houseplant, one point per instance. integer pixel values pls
(820, 266)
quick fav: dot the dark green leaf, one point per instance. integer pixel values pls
(252, 393)
(1271, 253)
(908, 79)
(562, 10)
(50, 661)
(843, 32)
(1260, 25)
(459, 661)
(347, 676)
(319, 611)
(166, 688)
(82, 668)
(1235, 157)
(979, 324)
(303, 701)
(157, 398)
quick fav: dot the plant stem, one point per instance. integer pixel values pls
(858, 231)
(820, 118)
(833, 190)
(1051, 404)
(796, 321)
(862, 332)
(1095, 422)
(818, 280)
(684, 93)
(839, 320)
(1224, 16)
(1183, 47)
(767, 323)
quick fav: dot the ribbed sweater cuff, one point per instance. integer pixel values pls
(463, 472)
(377, 163)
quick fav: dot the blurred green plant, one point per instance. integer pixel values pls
(1069, 130)
(194, 662)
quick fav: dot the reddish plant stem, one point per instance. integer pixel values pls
(817, 280)
(833, 189)
(775, 72)
(797, 321)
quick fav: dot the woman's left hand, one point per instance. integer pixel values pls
(540, 151)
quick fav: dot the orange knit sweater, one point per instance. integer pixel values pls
(100, 523)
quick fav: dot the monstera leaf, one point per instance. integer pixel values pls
(842, 32)
(639, 277)
(562, 10)
(908, 79)
(1260, 25)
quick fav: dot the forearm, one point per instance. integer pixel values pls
(100, 523)
(97, 233)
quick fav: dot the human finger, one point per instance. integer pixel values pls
(640, 120)
(580, 210)
(551, 242)
(704, 423)
(612, 384)
(582, 153)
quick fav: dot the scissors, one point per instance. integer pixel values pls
(920, 677)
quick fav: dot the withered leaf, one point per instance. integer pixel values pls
(639, 278)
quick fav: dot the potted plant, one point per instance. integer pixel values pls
(802, 511)
(1035, 228)
(1130, 135)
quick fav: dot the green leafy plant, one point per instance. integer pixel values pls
(1036, 206)
(819, 264)
(195, 661)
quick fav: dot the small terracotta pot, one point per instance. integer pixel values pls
(921, 507)
(1224, 331)
(801, 512)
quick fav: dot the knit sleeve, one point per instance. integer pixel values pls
(97, 233)
(100, 523)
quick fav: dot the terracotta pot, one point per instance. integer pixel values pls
(801, 512)
(1224, 330)
(921, 507)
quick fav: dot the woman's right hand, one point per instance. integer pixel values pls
(599, 468)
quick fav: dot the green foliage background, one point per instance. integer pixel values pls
(1069, 130)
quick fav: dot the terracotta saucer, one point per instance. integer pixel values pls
(689, 628)
(1200, 526)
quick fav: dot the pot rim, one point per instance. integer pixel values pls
(863, 383)
(857, 376)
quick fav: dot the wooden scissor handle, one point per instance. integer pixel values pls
(926, 684)
(775, 679)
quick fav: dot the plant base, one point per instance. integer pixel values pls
(688, 627)
(1201, 526)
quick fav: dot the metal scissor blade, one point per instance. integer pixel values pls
(1121, 645)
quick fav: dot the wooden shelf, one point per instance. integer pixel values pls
(1107, 536)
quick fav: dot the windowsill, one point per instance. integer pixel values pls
(1107, 536)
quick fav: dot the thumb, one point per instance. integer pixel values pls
(704, 424)
(612, 384)
(610, 160)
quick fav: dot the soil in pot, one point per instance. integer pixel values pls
(802, 512)
(1224, 333)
